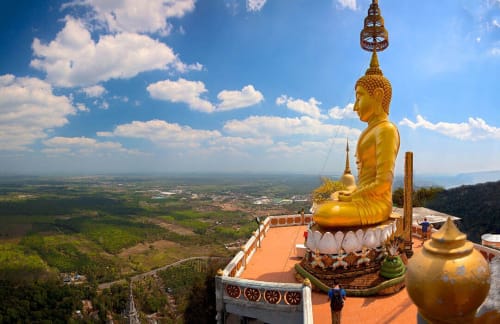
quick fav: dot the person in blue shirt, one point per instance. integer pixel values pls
(336, 296)
(425, 229)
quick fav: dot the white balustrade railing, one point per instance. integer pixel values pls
(293, 299)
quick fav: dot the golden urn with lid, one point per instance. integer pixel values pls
(449, 279)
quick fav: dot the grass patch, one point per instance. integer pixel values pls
(186, 214)
(197, 226)
(54, 206)
(114, 233)
(17, 264)
(231, 233)
(62, 252)
(168, 219)
(155, 258)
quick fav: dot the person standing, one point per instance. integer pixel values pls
(336, 296)
(425, 229)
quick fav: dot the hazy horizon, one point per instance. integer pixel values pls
(447, 181)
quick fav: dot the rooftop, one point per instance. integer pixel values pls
(275, 261)
(433, 216)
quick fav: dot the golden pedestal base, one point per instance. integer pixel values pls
(352, 257)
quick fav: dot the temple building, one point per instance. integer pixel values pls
(260, 284)
(491, 240)
(131, 315)
(357, 239)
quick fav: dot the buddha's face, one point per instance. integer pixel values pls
(365, 104)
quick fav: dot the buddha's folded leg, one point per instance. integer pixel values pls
(355, 213)
(374, 211)
(337, 214)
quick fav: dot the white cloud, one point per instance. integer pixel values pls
(94, 91)
(182, 67)
(139, 16)
(495, 51)
(185, 141)
(104, 105)
(120, 98)
(163, 133)
(255, 5)
(82, 107)
(474, 129)
(341, 113)
(74, 59)
(232, 6)
(309, 107)
(265, 126)
(248, 96)
(28, 110)
(348, 4)
(241, 142)
(454, 52)
(82, 146)
(310, 147)
(190, 92)
(182, 91)
(243, 139)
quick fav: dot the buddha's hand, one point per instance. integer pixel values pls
(336, 194)
(345, 196)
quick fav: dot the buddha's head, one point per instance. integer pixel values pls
(374, 79)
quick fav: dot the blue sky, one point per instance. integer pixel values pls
(111, 86)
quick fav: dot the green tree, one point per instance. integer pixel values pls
(477, 205)
(424, 195)
(421, 196)
(398, 197)
(201, 303)
(39, 302)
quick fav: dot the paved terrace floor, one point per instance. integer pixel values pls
(275, 262)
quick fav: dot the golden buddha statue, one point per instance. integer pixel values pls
(378, 145)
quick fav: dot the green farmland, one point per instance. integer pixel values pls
(110, 229)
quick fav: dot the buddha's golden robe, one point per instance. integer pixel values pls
(371, 202)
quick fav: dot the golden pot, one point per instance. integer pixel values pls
(448, 280)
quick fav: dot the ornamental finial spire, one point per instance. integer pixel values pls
(374, 68)
(374, 37)
(347, 169)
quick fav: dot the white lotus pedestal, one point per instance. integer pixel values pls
(353, 257)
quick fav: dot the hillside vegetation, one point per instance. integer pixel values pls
(60, 237)
(477, 205)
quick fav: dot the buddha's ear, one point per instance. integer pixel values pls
(378, 94)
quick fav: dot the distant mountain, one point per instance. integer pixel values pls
(477, 177)
(449, 181)
(478, 206)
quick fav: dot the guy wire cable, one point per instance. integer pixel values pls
(335, 135)
(350, 123)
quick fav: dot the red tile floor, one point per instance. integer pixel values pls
(275, 261)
